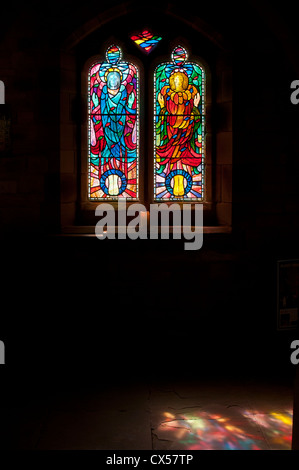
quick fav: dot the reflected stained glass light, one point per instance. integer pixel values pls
(146, 40)
(241, 430)
(113, 128)
(179, 123)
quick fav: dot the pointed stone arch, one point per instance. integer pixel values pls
(218, 205)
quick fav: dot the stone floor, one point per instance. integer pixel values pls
(161, 416)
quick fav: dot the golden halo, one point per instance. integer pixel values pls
(113, 69)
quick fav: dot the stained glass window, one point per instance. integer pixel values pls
(179, 107)
(146, 40)
(113, 128)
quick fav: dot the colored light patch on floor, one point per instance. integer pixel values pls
(146, 41)
(276, 427)
(239, 430)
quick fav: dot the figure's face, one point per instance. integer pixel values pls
(113, 80)
(178, 81)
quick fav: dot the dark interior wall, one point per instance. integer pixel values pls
(80, 309)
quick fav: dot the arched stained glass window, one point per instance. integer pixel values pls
(179, 108)
(113, 90)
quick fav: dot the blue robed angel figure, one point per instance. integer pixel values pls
(114, 105)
